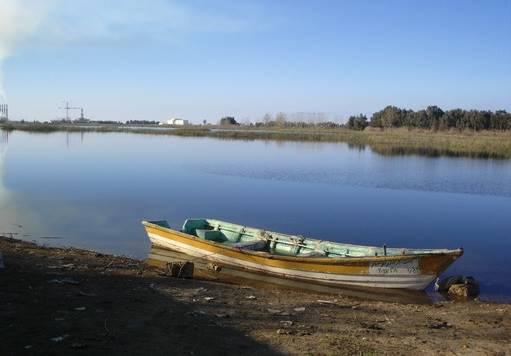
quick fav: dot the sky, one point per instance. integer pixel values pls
(201, 60)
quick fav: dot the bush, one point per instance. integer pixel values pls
(228, 120)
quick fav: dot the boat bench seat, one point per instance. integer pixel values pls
(210, 235)
(313, 254)
(219, 236)
(258, 245)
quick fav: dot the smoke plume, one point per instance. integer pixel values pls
(19, 19)
(60, 22)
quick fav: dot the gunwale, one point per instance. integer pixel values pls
(414, 271)
(309, 260)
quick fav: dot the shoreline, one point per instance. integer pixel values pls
(62, 300)
(399, 141)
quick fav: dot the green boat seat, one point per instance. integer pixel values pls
(210, 235)
(191, 225)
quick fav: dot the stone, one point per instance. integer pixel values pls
(463, 290)
(180, 269)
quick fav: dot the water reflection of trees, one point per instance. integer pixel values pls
(360, 147)
(388, 150)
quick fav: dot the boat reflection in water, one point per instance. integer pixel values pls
(206, 270)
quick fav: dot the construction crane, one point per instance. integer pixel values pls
(67, 108)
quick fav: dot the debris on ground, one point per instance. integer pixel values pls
(213, 267)
(59, 338)
(324, 301)
(64, 281)
(284, 331)
(274, 311)
(463, 291)
(180, 269)
(371, 326)
(84, 294)
(77, 345)
(458, 287)
(226, 314)
(109, 312)
(439, 325)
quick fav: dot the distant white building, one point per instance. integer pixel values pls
(177, 122)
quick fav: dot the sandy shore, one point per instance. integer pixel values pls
(62, 301)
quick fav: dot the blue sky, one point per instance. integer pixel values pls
(198, 59)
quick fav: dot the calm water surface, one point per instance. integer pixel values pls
(92, 190)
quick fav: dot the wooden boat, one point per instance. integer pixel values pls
(302, 259)
(170, 262)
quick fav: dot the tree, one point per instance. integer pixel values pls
(500, 120)
(432, 118)
(228, 120)
(391, 116)
(281, 119)
(433, 114)
(357, 122)
(451, 119)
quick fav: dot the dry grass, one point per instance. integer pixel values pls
(481, 144)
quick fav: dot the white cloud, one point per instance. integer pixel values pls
(63, 22)
(123, 20)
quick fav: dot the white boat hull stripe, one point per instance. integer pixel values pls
(412, 281)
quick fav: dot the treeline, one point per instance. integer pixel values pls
(297, 120)
(142, 122)
(82, 121)
(434, 118)
(297, 124)
(431, 118)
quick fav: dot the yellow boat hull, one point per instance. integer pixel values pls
(404, 272)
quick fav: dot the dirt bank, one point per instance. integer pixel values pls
(62, 301)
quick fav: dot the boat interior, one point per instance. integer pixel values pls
(248, 238)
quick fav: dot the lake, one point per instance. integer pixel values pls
(91, 190)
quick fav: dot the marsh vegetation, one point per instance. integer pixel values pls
(388, 141)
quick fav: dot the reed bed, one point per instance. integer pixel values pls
(454, 143)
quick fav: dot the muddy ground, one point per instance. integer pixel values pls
(69, 301)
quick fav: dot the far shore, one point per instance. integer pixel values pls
(64, 300)
(398, 141)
